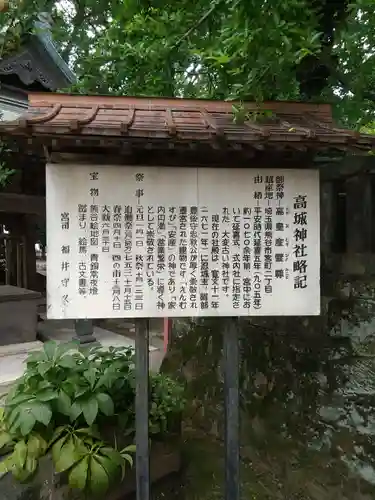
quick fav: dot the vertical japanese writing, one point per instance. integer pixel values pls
(117, 227)
(82, 224)
(236, 258)
(160, 266)
(225, 251)
(139, 257)
(193, 264)
(65, 252)
(82, 216)
(116, 276)
(82, 250)
(172, 258)
(215, 261)
(300, 236)
(139, 192)
(94, 189)
(150, 246)
(246, 258)
(65, 220)
(183, 256)
(94, 273)
(105, 227)
(93, 233)
(257, 242)
(281, 255)
(94, 225)
(204, 259)
(128, 258)
(82, 278)
(268, 233)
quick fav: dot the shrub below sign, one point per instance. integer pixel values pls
(78, 407)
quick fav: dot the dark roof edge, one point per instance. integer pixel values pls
(44, 37)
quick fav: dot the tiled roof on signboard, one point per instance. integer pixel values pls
(84, 119)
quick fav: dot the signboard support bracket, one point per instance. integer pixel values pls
(231, 398)
(142, 327)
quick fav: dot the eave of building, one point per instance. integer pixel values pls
(37, 64)
(179, 129)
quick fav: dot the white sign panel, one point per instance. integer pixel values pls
(163, 241)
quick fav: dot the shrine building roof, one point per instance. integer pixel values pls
(64, 122)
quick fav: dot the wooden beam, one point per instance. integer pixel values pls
(22, 204)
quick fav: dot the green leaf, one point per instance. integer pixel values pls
(50, 349)
(58, 433)
(20, 398)
(75, 411)
(20, 454)
(90, 410)
(64, 403)
(36, 357)
(130, 449)
(89, 431)
(47, 395)
(26, 422)
(111, 467)
(24, 474)
(91, 376)
(6, 465)
(31, 465)
(36, 446)
(68, 456)
(106, 405)
(43, 368)
(68, 361)
(57, 447)
(5, 439)
(113, 454)
(78, 474)
(42, 413)
(128, 458)
(99, 481)
(66, 347)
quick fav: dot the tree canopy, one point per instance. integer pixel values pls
(317, 50)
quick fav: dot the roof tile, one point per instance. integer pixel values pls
(116, 118)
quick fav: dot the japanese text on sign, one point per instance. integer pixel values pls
(162, 241)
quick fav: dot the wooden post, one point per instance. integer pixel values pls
(8, 259)
(232, 419)
(142, 327)
(166, 333)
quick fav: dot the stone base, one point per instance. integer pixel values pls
(18, 315)
(12, 362)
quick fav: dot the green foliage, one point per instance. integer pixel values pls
(235, 49)
(78, 406)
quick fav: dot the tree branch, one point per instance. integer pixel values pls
(198, 23)
(344, 82)
(77, 23)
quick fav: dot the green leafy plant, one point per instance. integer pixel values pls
(78, 408)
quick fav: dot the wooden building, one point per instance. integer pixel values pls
(156, 131)
(36, 66)
(176, 132)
